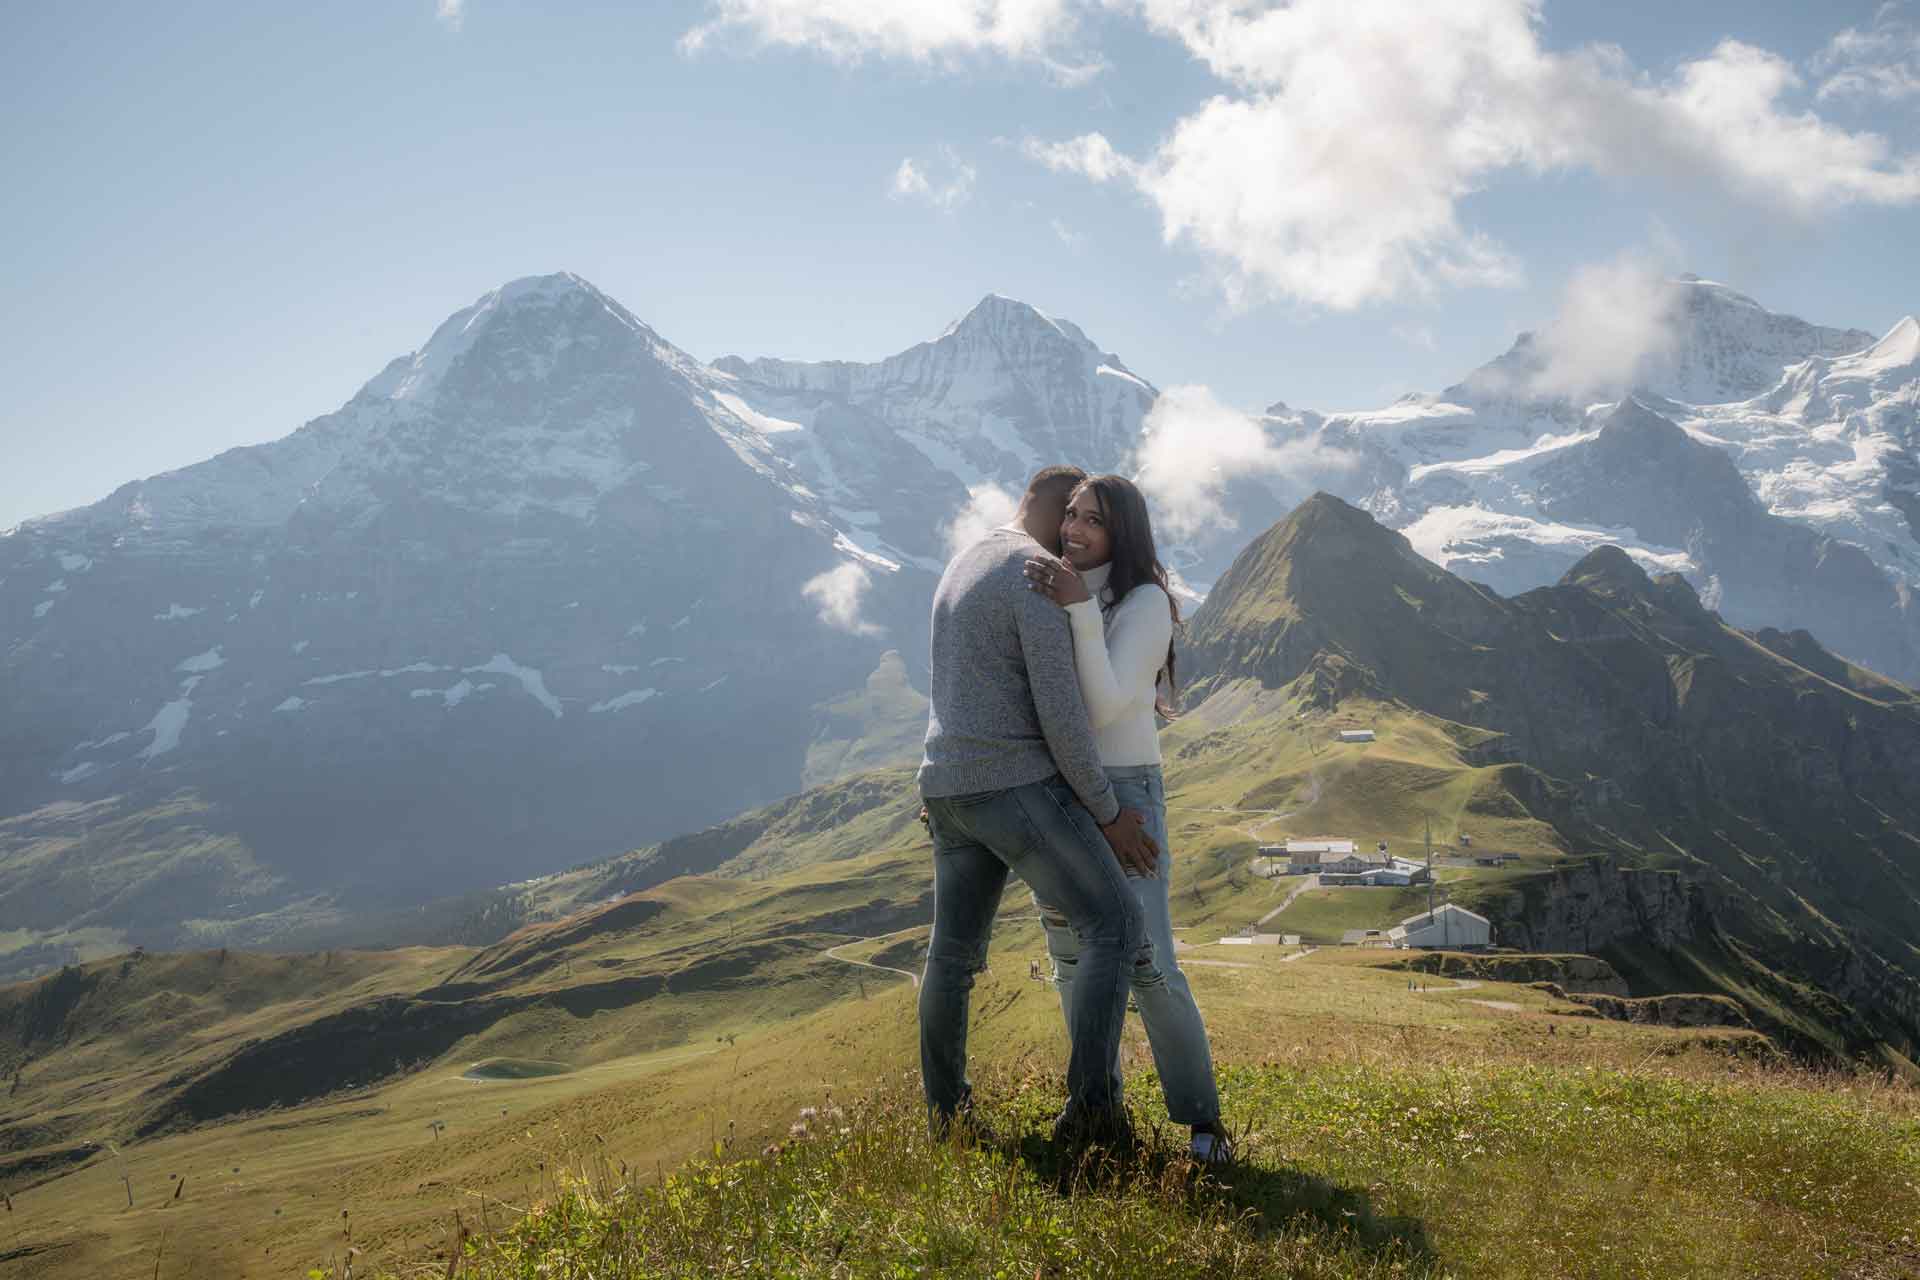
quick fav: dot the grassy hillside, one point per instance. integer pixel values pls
(879, 726)
(126, 1047)
(686, 999)
(1328, 1063)
(1617, 709)
(166, 857)
(1352, 1171)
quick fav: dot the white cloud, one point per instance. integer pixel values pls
(837, 593)
(1334, 170)
(1416, 335)
(910, 182)
(1612, 316)
(988, 507)
(1067, 236)
(921, 30)
(1090, 154)
(1333, 167)
(1881, 62)
(451, 12)
(1192, 446)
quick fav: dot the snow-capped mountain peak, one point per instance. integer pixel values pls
(537, 592)
(1713, 345)
(1002, 391)
(1892, 361)
(417, 378)
(998, 315)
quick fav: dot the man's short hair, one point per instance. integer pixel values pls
(1055, 484)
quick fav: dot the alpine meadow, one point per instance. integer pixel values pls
(537, 819)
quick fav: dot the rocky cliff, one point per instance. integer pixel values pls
(1592, 906)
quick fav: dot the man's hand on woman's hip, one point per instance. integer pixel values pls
(1136, 849)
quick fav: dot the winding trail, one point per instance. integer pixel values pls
(1311, 882)
(832, 953)
(1267, 816)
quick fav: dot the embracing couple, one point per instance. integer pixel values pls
(1052, 642)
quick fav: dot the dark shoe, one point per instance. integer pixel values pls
(1080, 1128)
(962, 1127)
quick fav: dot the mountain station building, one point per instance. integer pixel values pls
(1309, 857)
(1447, 927)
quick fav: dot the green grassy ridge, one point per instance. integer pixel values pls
(883, 724)
(166, 860)
(1765, 768)
(657, 1080)
(1351, 1170)
(1250, 765)
(141, 1044)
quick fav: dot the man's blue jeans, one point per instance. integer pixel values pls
(1043, 834)
(1174, 1029)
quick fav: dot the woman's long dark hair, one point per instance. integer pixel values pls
(1124, 509)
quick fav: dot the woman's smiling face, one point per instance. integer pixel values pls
(1084, 539)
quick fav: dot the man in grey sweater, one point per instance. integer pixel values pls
(1013, 783)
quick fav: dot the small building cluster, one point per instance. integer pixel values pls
(1340, 863)
(1304, 857)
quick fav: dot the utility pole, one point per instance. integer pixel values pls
(1446, 926)
(1429, 867)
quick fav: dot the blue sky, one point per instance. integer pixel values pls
(222, 219)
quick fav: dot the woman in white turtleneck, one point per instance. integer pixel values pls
(1115, 592)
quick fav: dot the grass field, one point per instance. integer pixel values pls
(632, 1032)
(1322, 915)
(1353, 1171)
(279, 1192)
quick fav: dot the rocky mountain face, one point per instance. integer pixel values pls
(1591, 907)
(1003, 392)
(1774, 775)
(545, 589)
(1507, 483)
(534, 594)
(1721, 346)
(1642, 471)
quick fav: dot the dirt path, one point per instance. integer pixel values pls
(832, 953)
(1267, 816)
(1459, 984)
(1311, 882)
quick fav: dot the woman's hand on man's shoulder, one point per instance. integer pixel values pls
(1057, 580)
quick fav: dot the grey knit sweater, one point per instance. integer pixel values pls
(1007, 708)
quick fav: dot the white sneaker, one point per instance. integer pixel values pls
(1211, 1148)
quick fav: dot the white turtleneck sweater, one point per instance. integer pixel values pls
(1119, 654)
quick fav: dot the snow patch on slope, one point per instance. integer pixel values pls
(530, 679)
(631, 698)
(1460, 538)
